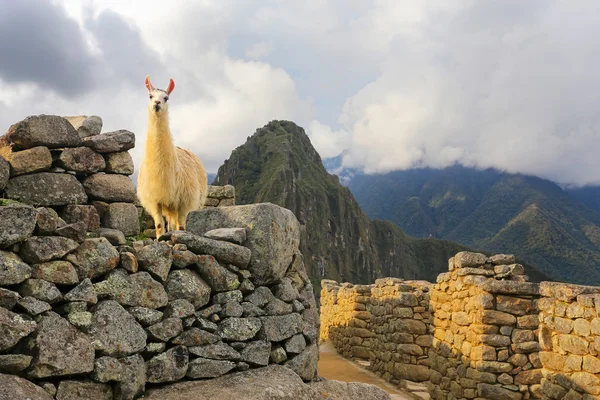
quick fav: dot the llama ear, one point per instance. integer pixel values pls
(170, 87)
(149, 84)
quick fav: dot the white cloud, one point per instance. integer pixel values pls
(513, 85)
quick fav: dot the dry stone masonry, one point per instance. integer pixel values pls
(88, 311)
(481, 332)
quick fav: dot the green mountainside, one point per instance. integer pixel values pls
(278, 164)
(530, 217)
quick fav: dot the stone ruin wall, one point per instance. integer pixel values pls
(489, 333)
(89, 310)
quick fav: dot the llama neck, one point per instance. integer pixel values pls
(159, 144)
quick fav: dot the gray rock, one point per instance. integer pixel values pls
(86, 126)
(51, 131)
(129, 262)
(337, 390)
(59, 272)
(239, 329)
(273, 235)
(49, 387)
(133, 378)
(4, 172)
(310, 332)
(218, 277)
(59, 349)
(75, 213)
(169, 366)
(46, 189)
(47, 221)
(208, 311)
(111, 142)
(13, 328)
(296, 344)
(305, 363)
(110, 188)
(84, 292)
(136, 290)
(15, 388)
(76, 231)
(246, 286)
(233, 235)
(34, 306)
(81, 159)
(146, 316)
(153, 348)
(216, 351)
(114, 236)
(270, 383)
(188, 285)
(231, 309)
(278, 307)
(12, 270)
(280, 327)
(307, 297)
(41, 290)
(115, 332)
(207, 368)
(278, 355)
(285, 290)
(221, 192)
(257, 353)
(166, 330)
(77, 390)
(119, 163)
(251, 310)
(94, 258)
(227, 297)
(195, 337)
(17, 222)
(32, 160)
(81, 319)
(225, 252)
(14, 363)
(123, 217)
(71, 307)
(156, 259)
(261, 296)
(39, 249)
(107, 369)
(205, 325)
(179, 308)
(183, 259)
(8, 298)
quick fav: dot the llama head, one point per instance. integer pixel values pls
(158, 97)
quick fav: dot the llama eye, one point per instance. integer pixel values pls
(166, 98)
(150, 96)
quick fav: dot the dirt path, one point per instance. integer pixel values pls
(335, 367)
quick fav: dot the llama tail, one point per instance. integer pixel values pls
(5, 148)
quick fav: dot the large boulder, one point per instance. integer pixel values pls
(136, 290)
(94, 258)
(111, 142)
(86, 126)
(270, 383)
(338, 390)
(46, 189)
(51, 131)
(12, 269)
(115, 332)
(59, 349)
(110, 188)
(169, 366)
(13, 328)
(119, 163)
(39, 249)
(76, 390)
(81, 159)
(305, 363)
(272, 234)
(123, 217)
(31, 160)
(188, 285)
(15, 388)
(17, 222)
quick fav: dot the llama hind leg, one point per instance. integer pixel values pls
(159, 223)
(171, 216)
(181, 219)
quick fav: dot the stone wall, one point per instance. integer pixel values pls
(87, 311)
(485, 330)
(569, 341)
(400, 321)
(345, 319)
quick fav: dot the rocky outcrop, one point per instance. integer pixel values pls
(270, 383)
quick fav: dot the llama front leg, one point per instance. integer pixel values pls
(181, 219)
(159, 223)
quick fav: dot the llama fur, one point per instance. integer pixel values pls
(171, 180)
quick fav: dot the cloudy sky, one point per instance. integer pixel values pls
(510, 84)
